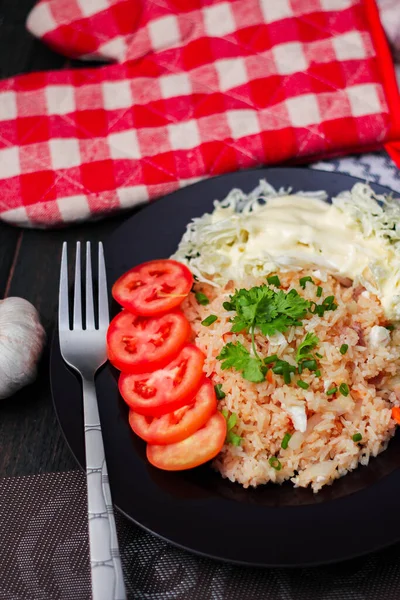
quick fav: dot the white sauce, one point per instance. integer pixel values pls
(354, 237)
(299, 231)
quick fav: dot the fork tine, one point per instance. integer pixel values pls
(63, 310)
(89, 289)
(77, 289)
(104, 317)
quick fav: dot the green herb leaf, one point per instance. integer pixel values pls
(202, 299)
(317, 373)
(274, 280)
(344, 348)
(209, 320)
(285, 441)
(304, 280)
(308, 344)
(357, 437)
(236, 356)
(266, 309)
(318, 355)
(219, 391)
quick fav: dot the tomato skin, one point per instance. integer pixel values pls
(180, 424)
(200, 447)
(154, 287)
(165, 390)
(144, 344)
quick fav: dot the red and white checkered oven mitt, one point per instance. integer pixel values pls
(196, 88)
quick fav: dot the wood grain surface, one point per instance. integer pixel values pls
(30, 438)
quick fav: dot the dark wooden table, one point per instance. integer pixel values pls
(31, 441)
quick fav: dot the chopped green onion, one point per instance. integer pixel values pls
(317, 373)
(303, 384)
(219, 391)
(231, 422)
(300, 369)
(319, 309)
(331, 391)
(344, 389)
(233, 438)
(286, 376)
(390, 327)
(304, 280)
(344, 348)
(270, 359)
(228, 306)
(209, 320)
(318, 355)
(357, 437)
(311, 365)
(316, 309)
(274, 280)
(313, 307)
(285, 441)
(319, 291)
(329, 303)
(202, 299)
(275, 463)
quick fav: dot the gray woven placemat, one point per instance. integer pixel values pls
(44, 556)
(376, 167)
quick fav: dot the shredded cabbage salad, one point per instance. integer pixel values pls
(210, 241)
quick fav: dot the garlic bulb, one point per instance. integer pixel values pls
(22, 339)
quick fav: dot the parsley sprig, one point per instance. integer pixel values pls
(238, 357)
(304, 349)
(264, 309)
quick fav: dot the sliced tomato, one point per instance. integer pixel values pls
(144, 344)
(165, 390)
(153, 288)
(180, 424)
(193, 451)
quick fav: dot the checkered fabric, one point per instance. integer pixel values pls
(196, 88)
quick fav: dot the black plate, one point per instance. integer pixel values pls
(198, 510)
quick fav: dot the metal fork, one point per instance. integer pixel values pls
(85, 351)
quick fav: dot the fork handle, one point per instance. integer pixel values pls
(105, 561)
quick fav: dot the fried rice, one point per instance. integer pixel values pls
(268, 411)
